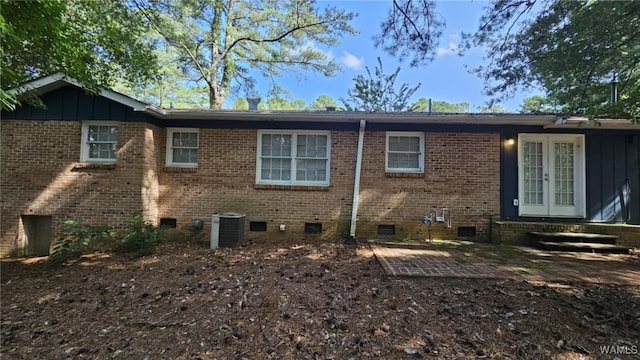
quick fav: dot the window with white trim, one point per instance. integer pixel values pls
(293, 157)
(182, 147)
(405, 152)
(99, 142)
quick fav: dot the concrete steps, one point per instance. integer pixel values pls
(576, 242)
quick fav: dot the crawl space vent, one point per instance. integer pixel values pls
(257, 226)
(467, 231)
(169, 223)
(386, 229)
(312, 228)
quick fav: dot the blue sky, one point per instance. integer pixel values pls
(447, 78)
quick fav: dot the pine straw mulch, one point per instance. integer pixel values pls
(305, 299)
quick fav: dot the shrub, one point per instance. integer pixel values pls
(139, 238)
(76, 239)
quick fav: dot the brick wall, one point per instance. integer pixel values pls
(225, 182)
(516, 232)
(462, 173)
(41, 175)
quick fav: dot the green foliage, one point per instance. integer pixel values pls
(76, 239)
(321, 102)
(220, 41)
(572, 49)
(412, 29)
(139, 238)
(171, 88)
(493, 109)
(440, 106)
(95, 42)
(377, 92)
(539, 105)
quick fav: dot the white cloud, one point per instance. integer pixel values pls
(311, 45)
(453, 47)
(351, 61)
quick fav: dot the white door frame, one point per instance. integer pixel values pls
(548, 207)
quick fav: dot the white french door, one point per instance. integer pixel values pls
(551, 175)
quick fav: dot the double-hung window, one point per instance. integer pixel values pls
(405, 152)
(99, 142)
(182, 147)
(293, 157)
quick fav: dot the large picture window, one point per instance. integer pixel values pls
(182, 147)
(99, 142)
(404, 152)
(293, 157)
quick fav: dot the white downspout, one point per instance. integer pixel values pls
(356, 181)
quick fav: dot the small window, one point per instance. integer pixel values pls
(99, 142)
(182, 147)
(293, 157)
(404, 152)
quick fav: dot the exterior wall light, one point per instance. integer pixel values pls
(510, 141)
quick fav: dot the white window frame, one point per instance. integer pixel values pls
(170, 147)
(294, 138)
(420, 168)
(84, 142)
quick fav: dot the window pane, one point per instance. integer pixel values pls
(275, 169)
(311, 170)
(102, 151)
(276, 145)
(404, 152)
(311, 146)
(404, 161)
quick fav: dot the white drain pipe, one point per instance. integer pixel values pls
(356, 181)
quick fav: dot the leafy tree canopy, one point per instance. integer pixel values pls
(440, 106)
(95, 42)
(539, 105)
(223, 42)
(377, 92)
(321, 102)
(571, 49)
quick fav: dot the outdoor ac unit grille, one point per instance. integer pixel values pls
(231, 231)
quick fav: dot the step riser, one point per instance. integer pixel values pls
(574, 240)
(618, 250)
(536, 236)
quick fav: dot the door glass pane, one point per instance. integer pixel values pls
(564, 169)
(533, 173)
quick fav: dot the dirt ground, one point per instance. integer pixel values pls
(306, 299)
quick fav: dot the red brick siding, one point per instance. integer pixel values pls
(225, 181)
(462, 173)
(41, 175)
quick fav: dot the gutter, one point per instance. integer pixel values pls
(356, 181)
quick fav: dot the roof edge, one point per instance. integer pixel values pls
(57, 80)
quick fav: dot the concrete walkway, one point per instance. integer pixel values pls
(480, 263)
